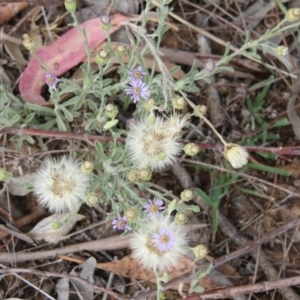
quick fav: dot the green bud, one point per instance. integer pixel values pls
(282, 50)
(4, 175)
(293, 14)
(133, 176)
(178, 103)
(181, 218)
(151, 119)
(150, 104)
(87, 167)
(105, 22)
(186, 195)
(191, 149)
(200, 251)
(92, 199)
(102, 58)
(179, 85)
(111, 111)
(70, 6)
(29, 42)
(145, 174)
(120, 50)
(110, 124)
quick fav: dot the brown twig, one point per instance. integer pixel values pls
(295, 150)
(42, 274)
(229, 292)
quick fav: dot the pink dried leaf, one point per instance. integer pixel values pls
(60, 56)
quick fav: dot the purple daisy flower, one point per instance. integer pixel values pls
(210, 66)
(120, 223)
(51, 81)
(138, 90)
(164, 240)
(153, 207)
(136, 75)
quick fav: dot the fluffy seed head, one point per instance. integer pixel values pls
(152, 145)
(159, 243)
(60, 185)
(236, 155)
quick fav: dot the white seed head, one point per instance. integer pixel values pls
(60, 185)
(152, 145)
(145, 251)
(236, 155)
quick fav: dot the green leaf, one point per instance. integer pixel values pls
(40, 108)
(198, 289)
(67, 113)
(280, 123)
(254, 193)
(60, 124)
(99, 149)
(261, 167)
(205, 197)
(215, 220)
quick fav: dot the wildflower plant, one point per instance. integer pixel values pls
(128, 151)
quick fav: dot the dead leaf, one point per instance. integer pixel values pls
(8, 11)
(44, 230)
(86, 271)
(19, 186)
(130, 268)
(60, 56)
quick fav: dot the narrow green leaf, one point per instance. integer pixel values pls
(261, 167)
(99, 149)
(204, 197)
(67, 113)
(280, 123)
(60, 124)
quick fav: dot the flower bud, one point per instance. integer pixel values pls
(105, 22)
(133, 176)
(102, 58)
(293, 14)
(92, 199)
(210, 66)
(200, 251)
(181, 218)
(178, 103)
(145, 174)
(161, 156)
(87, 167)
(120, 50)
(151, 119)
(179, 85)
(236, 155)
(191, 149)
(131, 214)
(70, 6)
(150, 104)
(111, 111)
(110, 124)
(29, 42)
(4, 175)
(282, 50)
(202, 109)
(186, 195)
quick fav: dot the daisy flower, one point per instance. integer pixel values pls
(159, 243)
(137, 91)
(120, 223)
(136, 75)
(151, 145)
(51, 81)
(60, 185)
(153, 207)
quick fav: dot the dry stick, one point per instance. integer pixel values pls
(229, 230)
(111, 243)
(294, 150)
(228, 292)
(34, 272)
